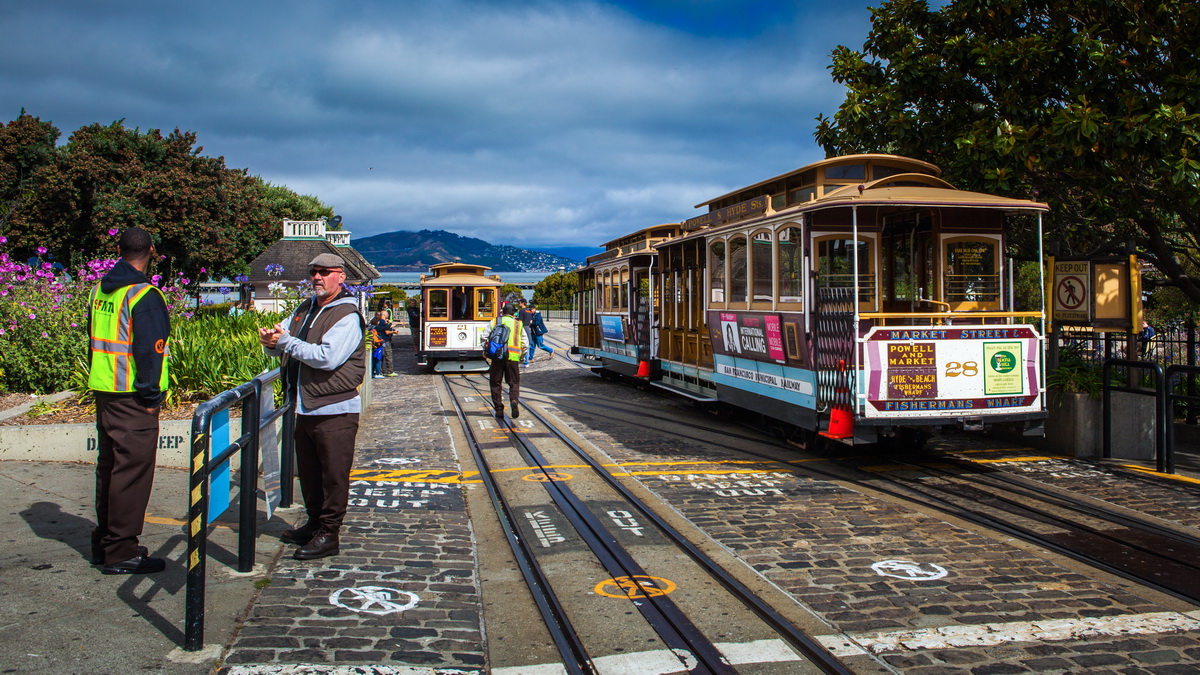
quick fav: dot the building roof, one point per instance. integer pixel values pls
(295, 254)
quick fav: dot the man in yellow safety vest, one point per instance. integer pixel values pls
(507, 368)
(129, 326)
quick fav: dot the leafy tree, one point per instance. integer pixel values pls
(73, 199)
(556, 290)
(1089, 105)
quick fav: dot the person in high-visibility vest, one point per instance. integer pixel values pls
(128, 325)
(508, 367)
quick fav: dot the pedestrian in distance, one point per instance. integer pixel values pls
(525, 314)
(507, 368)
(323, 361)
(413, 309)
(537, 330)
(129, 326)
(381, 325)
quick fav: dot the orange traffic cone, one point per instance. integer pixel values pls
(841, 423)
(643, 369)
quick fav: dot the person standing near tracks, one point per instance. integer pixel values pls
(128, 325)
(323, 361)
(382, 325)
(413, 308)
(526, 316)
(508, 367)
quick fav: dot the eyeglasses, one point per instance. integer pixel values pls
(324, 272)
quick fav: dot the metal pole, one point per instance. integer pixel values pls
(1191, 374)
(248, 491)
(287, 453)
(197, 533)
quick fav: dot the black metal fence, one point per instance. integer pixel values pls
(1173, 344)
(257, 399)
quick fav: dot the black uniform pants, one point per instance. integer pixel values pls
(500, 371)
(127, 441)
(324, 457)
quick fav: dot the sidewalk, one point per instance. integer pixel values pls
(59, 614)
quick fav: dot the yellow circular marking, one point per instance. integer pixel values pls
(635, 587)
(547, 477)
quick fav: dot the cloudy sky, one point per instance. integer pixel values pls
(537, 124)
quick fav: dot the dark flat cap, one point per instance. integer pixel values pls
(327, 260)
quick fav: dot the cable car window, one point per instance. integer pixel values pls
(460, 303)
(762, 270)
(971, 271)
(791, 265)
(624, 288)
(802, 195)
(846, 172)
(878, 171)
(439, 303)
(484, 306)
(737, 269)
(716, 267)
(835, 265)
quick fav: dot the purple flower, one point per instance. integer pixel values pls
(3, 239)
(112, 232)
(41, 250)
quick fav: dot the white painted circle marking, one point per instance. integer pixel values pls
(377, 600)
(909, 570)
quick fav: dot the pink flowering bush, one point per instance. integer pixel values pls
(43, 321)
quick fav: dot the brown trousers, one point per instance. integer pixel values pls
(127, 441)
(500, 371)
(324, 457)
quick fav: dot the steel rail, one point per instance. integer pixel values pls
(566, 639)
(812, 649)
(670, 623)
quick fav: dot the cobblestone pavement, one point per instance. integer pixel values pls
(923, 594)
(404, 590)
(957, 601)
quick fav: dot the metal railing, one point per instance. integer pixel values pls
(206, 460)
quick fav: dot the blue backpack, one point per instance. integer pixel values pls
(495, 346)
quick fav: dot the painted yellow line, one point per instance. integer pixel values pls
(718, 462)
(1152, 472)
(176, 521)
(1004, 460)
(713, 472)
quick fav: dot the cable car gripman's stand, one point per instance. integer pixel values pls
(1104, 295)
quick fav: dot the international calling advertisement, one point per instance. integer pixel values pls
(934, 372)
(752, 336)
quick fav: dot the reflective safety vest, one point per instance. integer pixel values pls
(516, 336)
(113, 368)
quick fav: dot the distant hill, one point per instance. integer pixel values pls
(417, 251)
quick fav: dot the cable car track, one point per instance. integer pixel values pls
(672, 624)
(1130, 547)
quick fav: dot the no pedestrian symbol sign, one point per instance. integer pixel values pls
(1072, 291)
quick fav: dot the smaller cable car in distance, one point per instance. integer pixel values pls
(458, 301)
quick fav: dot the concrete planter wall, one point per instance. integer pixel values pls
(77, 442)
(1075, 425)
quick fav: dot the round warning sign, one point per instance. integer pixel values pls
(635, 587)
(1071, 292)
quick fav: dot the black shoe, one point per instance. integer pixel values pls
(141, 564)
(299, 536)
(98, 554)
(322, 544)
(516, 411)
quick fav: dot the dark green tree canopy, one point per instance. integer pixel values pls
(1090, 105)
(201, 214)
